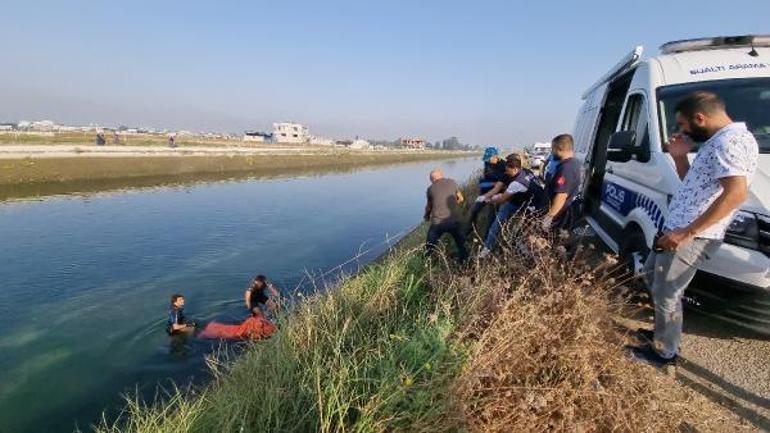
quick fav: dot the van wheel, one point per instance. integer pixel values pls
(633, 253)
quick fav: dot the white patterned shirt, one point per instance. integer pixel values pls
(732, 151)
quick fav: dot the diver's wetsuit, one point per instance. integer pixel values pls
(175, 316)
(258, 298)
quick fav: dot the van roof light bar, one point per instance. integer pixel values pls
(715, 42)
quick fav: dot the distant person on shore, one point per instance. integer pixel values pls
(713, 187)
(563, 186)
(494, 170)
(171, 141)
(177, 323)
(261, 297)
(442, 209)
(115, 138)
(524, 192)
(100, 141)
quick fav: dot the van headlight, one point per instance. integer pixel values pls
(743, 230)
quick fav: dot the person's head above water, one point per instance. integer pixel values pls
(177, 301)
(436, 174)
(260, 282)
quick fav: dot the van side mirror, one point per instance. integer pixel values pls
(622, 146)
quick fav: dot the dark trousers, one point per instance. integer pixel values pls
(476, 210)
(435, 231)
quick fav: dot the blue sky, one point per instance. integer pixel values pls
(490, 72)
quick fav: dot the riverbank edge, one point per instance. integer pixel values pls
(31, 171)
(392, 348)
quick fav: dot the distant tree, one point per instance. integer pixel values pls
(451, 143)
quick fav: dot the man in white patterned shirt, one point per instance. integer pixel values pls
(712, 189)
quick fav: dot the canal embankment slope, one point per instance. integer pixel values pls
(509, 344)
(55, 169)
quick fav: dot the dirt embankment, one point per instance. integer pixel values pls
(57, 175)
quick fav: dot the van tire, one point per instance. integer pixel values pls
(633, 252)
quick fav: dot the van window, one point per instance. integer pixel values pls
(747, 100)
(633, 108)
(635, 119)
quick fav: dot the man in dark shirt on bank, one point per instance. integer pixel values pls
(563, 186)
(444, 198)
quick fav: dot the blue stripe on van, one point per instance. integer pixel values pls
(624, 200)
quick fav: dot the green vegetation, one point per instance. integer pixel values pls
(522, 342)
(373, 353)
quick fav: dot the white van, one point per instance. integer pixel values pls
(629, 178)
(539, 154)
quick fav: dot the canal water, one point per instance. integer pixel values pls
(85, 280)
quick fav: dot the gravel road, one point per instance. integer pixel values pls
(719, 361)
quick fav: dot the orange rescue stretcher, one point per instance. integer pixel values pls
(254, 328)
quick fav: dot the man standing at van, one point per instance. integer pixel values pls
(712, 189)
(562, 188)
(441, 210)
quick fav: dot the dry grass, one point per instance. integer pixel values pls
(523, 342)
(547, 355)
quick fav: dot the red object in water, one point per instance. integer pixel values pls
(254, 328)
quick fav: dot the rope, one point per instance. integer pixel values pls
(357, 256)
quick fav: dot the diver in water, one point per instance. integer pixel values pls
(177, 323)
(261, 297)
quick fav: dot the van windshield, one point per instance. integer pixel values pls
(747, 99)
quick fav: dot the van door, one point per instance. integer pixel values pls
(597, 159)
(631, 209)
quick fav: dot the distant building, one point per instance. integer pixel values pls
(288, 132)
(360, 144)
(257, 136)
(415, 143)
(43, 125)
(7, 126)
(320, 141)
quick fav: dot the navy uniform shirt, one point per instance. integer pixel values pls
(566, 179)
(494, 172)
(526, 190)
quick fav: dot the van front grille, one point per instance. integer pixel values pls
(763, 224)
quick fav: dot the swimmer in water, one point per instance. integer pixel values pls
(177, 323)
(261, 297)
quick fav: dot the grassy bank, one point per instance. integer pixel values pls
(517, 343)
(45, 176)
